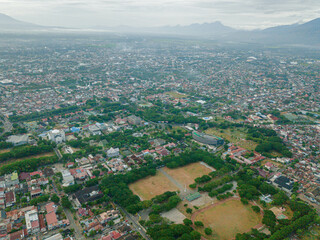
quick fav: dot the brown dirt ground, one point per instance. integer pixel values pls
(186, 175)
(150, 187)
(229, 218)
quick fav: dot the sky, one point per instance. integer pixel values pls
(242, 14)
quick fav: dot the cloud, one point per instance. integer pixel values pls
(236, 13)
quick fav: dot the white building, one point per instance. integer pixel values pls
(18, 140)
(57, 136)
(32, 221)
(113, 152)
(68, 179)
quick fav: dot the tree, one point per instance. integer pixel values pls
(195, 235)
(198, 223)
(187, 222)
(55, 198)
(65, 202)
(269, 219)
(256, 209)
(189, 210)
(208, 231)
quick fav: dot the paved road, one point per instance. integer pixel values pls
(58, 153)
(74, 224)
(134, 223)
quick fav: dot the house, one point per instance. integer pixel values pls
(24, 176)
(134, 120)
(32, 221)
(10, 198)
(51, 207)
(42, 223)
(52, 221)
(269, 166)
(105, 217)
(17, 235)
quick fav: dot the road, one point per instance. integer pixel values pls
(135, 223)
(58, 153)
(74, 224)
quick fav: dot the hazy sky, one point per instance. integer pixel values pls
(236, 13)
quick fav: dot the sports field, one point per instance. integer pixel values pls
(150, 187)
(186, 175)
(228, 218)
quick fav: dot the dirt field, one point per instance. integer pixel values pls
(150, 187)
(186, 175)
(228, 218)
(236, 136)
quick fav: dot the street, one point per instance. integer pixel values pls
(134, 223)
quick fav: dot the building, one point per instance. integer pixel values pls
(113, 152)
(10, 198)
(32, 221)
(207, 139)
(68, 179)
(52, 221)
(57, 136)
(284, 183)
(88, 194)
(134, 120)
(11, 179)
(18, 140)
(94, 130)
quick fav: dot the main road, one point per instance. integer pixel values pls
(135, 223)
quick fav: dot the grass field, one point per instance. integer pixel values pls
(229, 218)
(235, 136)
(150, 187)
(186, 175)
(176, 94)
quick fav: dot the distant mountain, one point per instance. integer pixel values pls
(10, 24)
(196, 29)
(307, 33)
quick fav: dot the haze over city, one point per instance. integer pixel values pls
(242, 14)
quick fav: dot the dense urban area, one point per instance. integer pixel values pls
(109, 137)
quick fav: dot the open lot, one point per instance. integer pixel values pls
(176, 94)
(150, 187)
(186, 175)
(235, 136)
(227, 218)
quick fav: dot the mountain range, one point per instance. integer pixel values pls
(307, 33)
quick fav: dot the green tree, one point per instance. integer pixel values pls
(208, 231)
